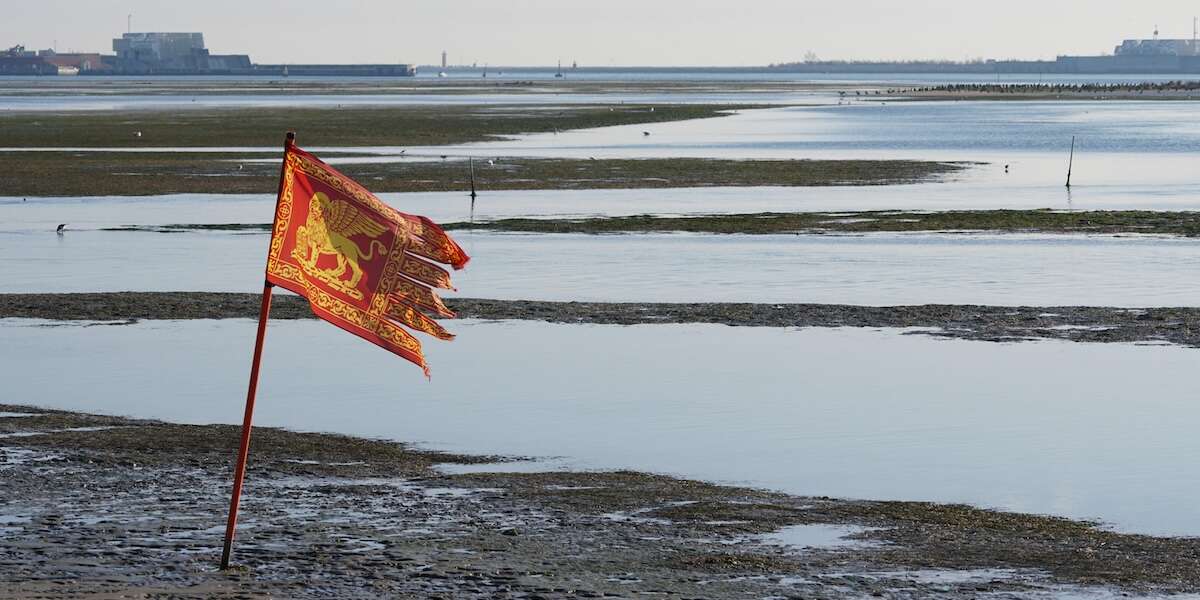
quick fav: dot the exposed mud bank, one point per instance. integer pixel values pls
(987, 323)
(108, 506)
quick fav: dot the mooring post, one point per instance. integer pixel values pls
(1071, 162)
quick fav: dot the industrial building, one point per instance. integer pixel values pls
(1140, 56)
(19, 61)
(1131, 57)
(172, 53)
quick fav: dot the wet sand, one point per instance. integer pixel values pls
(984, 323)
(114, 507)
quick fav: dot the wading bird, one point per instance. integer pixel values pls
(61, 228)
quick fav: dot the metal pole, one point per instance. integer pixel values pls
(239, 473)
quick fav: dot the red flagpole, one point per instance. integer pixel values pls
(264, 312)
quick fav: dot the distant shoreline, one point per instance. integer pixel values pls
(1084, 66)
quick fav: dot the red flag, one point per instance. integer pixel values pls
(362, 265)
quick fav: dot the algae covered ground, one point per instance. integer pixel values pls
(1180, 325)
(232, 151)
(34, 174)
(1117, 222)
(264, 127)
(1042, 221)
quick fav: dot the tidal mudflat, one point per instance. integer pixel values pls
(322, 127)
(52, 174)
(1180, 326)
(363, 516)
(1021, 221)
(940, 381)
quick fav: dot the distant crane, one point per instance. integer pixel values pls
(61, 228)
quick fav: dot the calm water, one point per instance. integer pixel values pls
(176, 102)
(873, 129)
(1080, 430)
(880, 269)
(614, 75)
(983, 187)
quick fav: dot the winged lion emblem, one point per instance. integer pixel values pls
(328, 231)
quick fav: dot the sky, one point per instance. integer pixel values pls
(606, 32)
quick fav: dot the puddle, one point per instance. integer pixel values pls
(23, 434)
(458, 492)
(818, 537)
(947, 577)
(518, 466)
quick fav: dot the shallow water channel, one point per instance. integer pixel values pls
(1082, 430)
(877, 269)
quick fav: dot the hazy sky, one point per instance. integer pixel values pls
(606, 32)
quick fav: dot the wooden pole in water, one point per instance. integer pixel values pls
(239, 472)
(1071, 163)
(471, 162)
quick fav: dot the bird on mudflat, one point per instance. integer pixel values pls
(645, 133)
(61, 229)
(137, 134)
